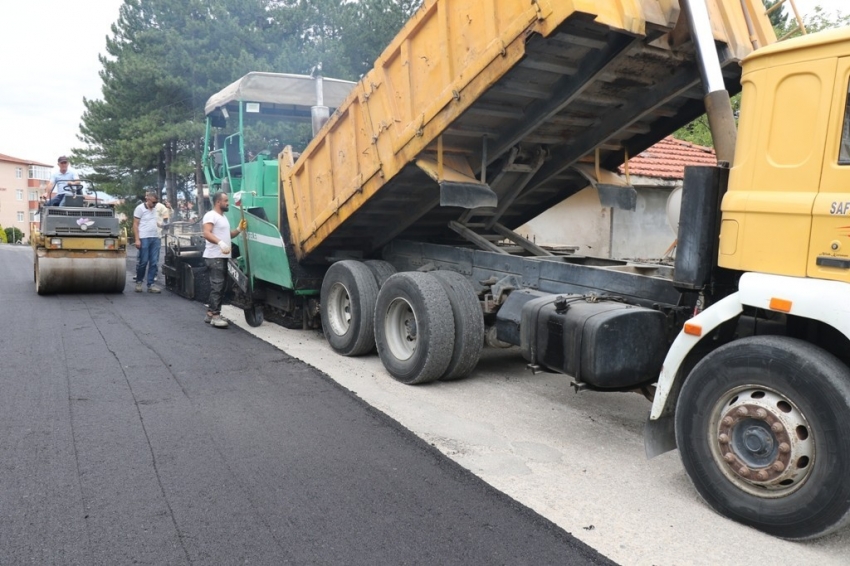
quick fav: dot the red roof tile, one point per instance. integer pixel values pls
(667, 159)
(10, 159)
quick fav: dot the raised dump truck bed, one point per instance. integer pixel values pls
(529, 88)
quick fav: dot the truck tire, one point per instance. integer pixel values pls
(348, 297)
(382, 270)
(469, 324)
(763, 431)
(414, 327)
(254, 315)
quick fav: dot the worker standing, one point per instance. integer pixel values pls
(147, 242)
(163, 216)
(218, 235)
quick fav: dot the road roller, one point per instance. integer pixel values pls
(79, 248)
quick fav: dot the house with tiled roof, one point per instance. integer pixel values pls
(582, 222)
(21, 183)
(668, 158)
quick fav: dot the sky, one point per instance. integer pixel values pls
(49, 53)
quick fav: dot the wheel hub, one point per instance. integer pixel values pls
(401, 329)
(339, 309)
(757, 441)
(763, 442)
(410, 328)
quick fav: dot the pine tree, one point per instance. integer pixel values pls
(778, 18)
(164, 58)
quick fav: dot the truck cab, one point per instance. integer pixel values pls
(787, 207)
(755, 390)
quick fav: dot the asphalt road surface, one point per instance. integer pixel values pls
(132, 433)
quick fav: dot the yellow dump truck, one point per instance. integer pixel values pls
(396, 225)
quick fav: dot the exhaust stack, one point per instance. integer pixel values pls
(319, 113)
(718, 106)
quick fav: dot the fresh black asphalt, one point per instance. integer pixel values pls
(133, 433)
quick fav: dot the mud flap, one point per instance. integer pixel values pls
(659, 436)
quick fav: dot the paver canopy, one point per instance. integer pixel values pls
(298, 92)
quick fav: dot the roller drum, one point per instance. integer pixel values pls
(80, 275)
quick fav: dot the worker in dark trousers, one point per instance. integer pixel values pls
(218, 234)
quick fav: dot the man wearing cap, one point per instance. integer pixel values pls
(58, 183)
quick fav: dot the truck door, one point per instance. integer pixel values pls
(829, 248)
(785, 119)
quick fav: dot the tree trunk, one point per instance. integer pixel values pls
(162, 168)
(170, 180)
(200, 202)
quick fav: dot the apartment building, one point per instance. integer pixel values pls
(22, 181)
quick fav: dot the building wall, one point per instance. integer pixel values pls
(14, 199)
(14, 211)
(577, 221)
(644, 233)
(603, 232)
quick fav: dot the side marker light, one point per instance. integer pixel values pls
(780, 305)
(693, 329)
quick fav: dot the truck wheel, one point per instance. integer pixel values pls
(348, 296)
(414, 327)
(254, 315)
(382, 270)
(469, 324)
(762, 428)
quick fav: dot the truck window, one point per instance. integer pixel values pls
(844, 154)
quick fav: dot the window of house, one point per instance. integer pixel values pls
(19, 194)
(844, 152)
(32, 216)
(33, 195)
(20, 216)
(40, 173)
(19, 172)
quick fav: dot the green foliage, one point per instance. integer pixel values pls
(815, 21)
(164, 58)
(3, 238)
(13, 235)
(778, 18)
(698, 131)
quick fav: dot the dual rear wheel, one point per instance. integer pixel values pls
(349, 293)
(426, 326)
